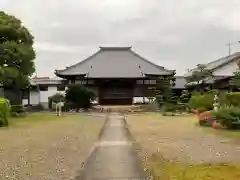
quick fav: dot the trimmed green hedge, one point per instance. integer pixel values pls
(233, 99)
(78, 96)
(17, 110)
(228, 116)
(4, 112)
(202, 102)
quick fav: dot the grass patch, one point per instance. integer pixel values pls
(33, 118)
(163, 169)
(44, 146)
(42, 118)
(179, 138)
(232, 134)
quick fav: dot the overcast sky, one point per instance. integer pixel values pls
(176, 34)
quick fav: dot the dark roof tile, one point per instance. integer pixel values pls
(114, 62)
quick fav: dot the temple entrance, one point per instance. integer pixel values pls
(116, 92)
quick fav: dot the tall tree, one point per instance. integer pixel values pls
(16, 52)
(199, 76)
(163, 89)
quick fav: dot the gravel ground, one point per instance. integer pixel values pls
(178, 138)
(50, 150)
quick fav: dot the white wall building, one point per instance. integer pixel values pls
(42, 89)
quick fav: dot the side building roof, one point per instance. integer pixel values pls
(114, 62)
(218, 63)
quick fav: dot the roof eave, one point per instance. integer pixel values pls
(60, 74)
(159, 74)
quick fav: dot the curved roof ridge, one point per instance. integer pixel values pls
(125, 54)
(115, 48)
(81, 62)
(146, 60)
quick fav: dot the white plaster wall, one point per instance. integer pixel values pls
(24, 102)
(34, 97)
(45, 94)
(226, 70)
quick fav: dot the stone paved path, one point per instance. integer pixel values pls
(113, 156)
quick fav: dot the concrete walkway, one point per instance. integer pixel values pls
(113, 156)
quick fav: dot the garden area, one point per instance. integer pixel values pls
(226, 113)
(194, 136)
(44, 146)
(176, 147)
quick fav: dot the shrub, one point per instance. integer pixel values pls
(34, 108)
(79, 97)
(199, 101)
(228, 116)
(201, 109)
(56, 98)
(233, 99)
(4, 111)
(17, 110)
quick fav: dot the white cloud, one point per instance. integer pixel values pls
(180, 33)
(61, 48)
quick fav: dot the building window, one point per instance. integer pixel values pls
(80, 82)
(146, 81)
(153, 82)
(60, 88)
(139, 81)
(90, 81)
(43, 87)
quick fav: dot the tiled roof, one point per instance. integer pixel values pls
(210, 80)
(218, 63)
(54, 80)
(114, 62)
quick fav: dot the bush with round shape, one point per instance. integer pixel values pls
(233, 99)
(79, 97)
(228, 116)
(4, 112)
(17, 110)
(201, 101)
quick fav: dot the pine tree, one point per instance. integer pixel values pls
(165, 97)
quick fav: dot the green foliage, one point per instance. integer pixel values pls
(199, 102)
(56, 98)
(183, 101)
(150, 94)
(199, 76)
(228, 116)
(163, 91)
(233, 99)
(34, 108)
(170, 101)
(185, 96)
(235, 80)
(17, 110)
(16, 52)
(79, 96)
(4, 112)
